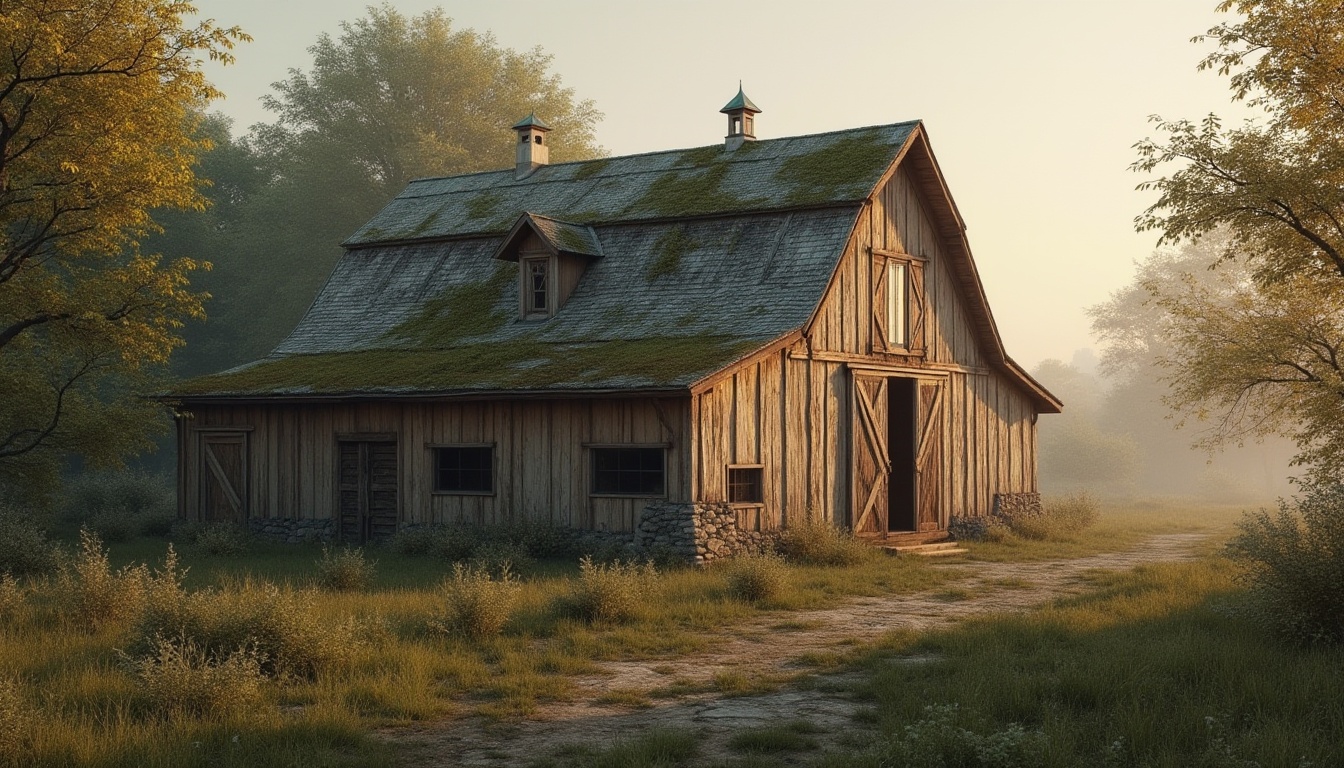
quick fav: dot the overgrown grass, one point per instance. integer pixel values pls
(655, 749)
(1154, 668)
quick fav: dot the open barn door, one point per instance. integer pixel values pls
(929, 455)
(871, 460)
(223, 477)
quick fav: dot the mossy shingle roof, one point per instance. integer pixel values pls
(706, 255)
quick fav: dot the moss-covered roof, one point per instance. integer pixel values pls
(766, 175)
(705, 255)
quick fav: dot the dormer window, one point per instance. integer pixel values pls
(552, 256)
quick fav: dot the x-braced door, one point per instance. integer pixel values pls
(368, 490)
(929, 455)
(223, 477)
(871, 460)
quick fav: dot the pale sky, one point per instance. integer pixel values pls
(1032, 106)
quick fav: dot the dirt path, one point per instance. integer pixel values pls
(763, 649)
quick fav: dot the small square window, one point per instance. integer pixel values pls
(628, 471)
(746, 485)
(464, 469)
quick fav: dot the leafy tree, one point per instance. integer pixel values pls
(390, 99)
(1262, 347)
(96, 104)
(1077, 453)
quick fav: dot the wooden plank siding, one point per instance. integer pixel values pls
(541, 467)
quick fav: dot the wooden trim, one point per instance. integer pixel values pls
(897, 255)
(366, 437)
(861, 362)
(460, 445)
(222, 429)
(625, 445)
(745, 466)
(751, 358)
(662, 495)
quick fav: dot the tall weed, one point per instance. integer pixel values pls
(1060, 519)
(611, 592)
(815, 542)
(184, 681)
(91, 594)
(223, 539)
(476, 602)
(345, 569)
(1294, 562)
(17, 721)
(756, 578)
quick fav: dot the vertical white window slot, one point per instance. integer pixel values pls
(896, 304)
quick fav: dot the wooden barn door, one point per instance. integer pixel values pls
(929, 455)
(223, 477)
(871, 461)
(367, 492)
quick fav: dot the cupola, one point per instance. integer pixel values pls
(533, 151)
(741, 120)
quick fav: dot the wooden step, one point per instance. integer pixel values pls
(937, 549)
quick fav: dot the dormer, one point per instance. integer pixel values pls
(552, 255)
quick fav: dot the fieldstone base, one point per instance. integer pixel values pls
(698, 533)
(1017, 506)
(292, 531)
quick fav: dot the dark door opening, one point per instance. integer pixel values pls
(902, 435)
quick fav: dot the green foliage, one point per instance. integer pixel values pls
(657, 748)
(117, 505)
(611, 592)
(1294, 562)
(99, 111)
(796, 736)
(816, 542)
(222, 539)
(840, 170)
(756, 578)
(345, 569)
(476, 603)
(668, 251)
(939, 740)
(184, 682)
(24, 548)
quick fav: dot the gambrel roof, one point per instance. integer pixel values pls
(700, 257)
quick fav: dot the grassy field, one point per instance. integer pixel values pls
(73, 696)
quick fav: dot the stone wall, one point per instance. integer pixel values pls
(292, 531)
(1015, 506)
(698, 533)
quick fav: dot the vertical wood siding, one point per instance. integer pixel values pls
(541, 465)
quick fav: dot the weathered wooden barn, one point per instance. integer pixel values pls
(792, 326)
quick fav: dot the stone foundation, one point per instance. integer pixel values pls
(698, 533)
(292, 531)
(1016, 506)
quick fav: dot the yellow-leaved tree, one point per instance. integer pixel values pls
(98, 105)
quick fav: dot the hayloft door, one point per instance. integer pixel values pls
(929, 455)
(368, 489)
(871, 462)
(223, 477)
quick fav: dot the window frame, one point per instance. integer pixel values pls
(435, 448)
(594, 448)
(759, 469)
(526, 292)
(897, 275)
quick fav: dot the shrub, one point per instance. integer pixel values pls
(159, 524)
(113, 525)
(476, 603)
(535, 538)
(937, 740)
(183, 681)
(1294, 565)
(223, 539)
(16, 723)
(989, 528)
(498, 557)
(12, 598)
(279, 623)
(815, 542)
(756, 578)
(345, 569)
(1060, 519)
(24, 548)
(454, 543)
(91, 594)
(611, 591)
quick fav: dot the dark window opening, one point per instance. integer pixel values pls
(464, 469)
(538, 138)
(628, 471)
(537, 274)
(745, 485)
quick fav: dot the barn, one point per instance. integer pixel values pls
(783, 329)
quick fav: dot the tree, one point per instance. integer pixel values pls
(97, 102)
(1077, 454)
(390, 99)
(1263, 358)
